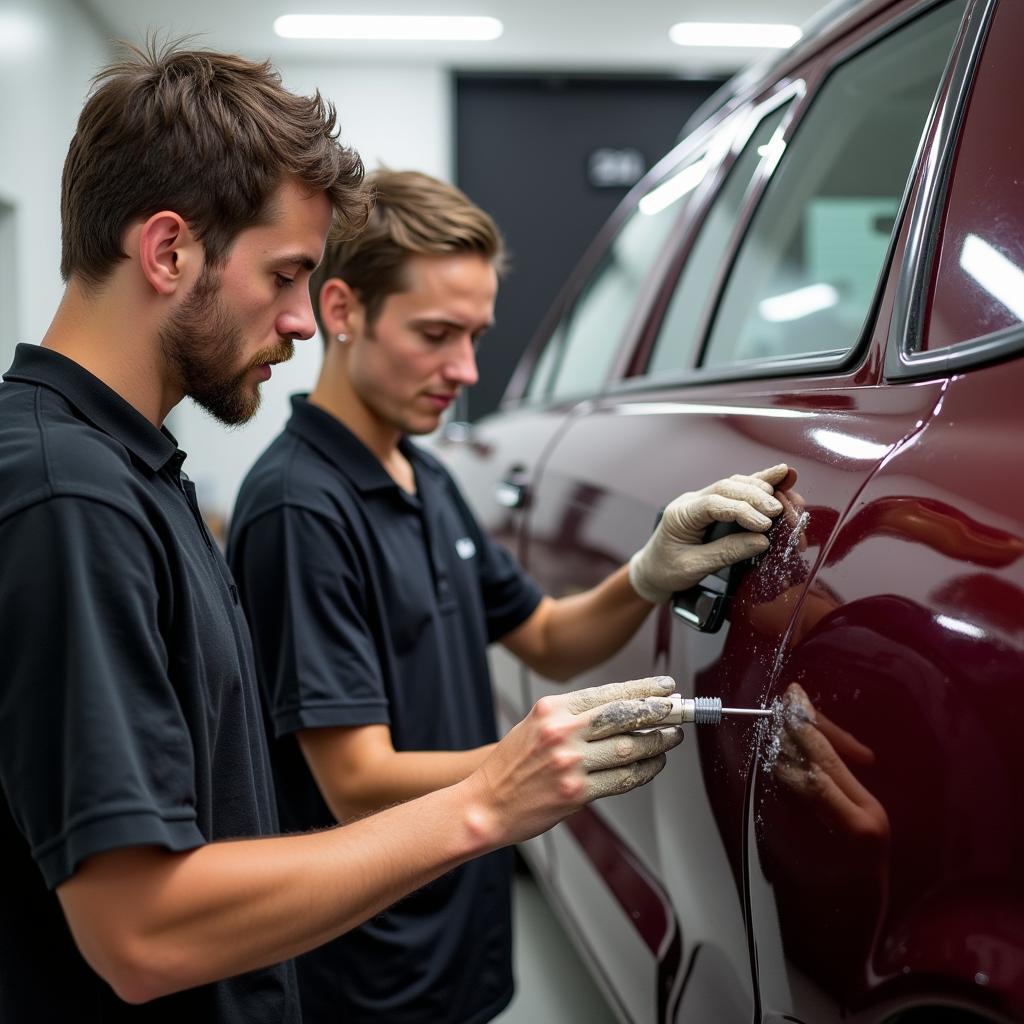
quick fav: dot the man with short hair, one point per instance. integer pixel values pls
(373, 595)
(137, 816)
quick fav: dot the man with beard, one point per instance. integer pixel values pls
(143, 877)
(373, 594)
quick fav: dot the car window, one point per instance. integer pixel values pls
(807, 271)
(679, 329)
(578, 355)
(979, 280)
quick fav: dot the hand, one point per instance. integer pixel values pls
(675, 558)
(812, 764)
(570, 749)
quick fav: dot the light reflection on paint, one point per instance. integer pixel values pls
(1001, 278)
(959, 626)
(848, 445)
(678, 408)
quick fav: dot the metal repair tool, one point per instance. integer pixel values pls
(705, 711)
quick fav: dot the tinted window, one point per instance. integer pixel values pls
(979, 281)
(681, 325)
(808, 269)
(578, 356)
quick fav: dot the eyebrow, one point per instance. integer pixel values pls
(457, 324)
(299, 259)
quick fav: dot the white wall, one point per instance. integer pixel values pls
(49, 50)
(400, 116)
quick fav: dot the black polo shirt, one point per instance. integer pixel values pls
(129, 713)
(370, 605)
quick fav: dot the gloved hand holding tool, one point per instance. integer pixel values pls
(675, 557)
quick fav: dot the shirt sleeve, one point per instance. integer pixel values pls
(305, 596)
(95, 753)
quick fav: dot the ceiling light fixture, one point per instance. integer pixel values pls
(411, 27)
(714, 33)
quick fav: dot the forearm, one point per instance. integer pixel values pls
(231, 907)
(398, 776)
(577, 632)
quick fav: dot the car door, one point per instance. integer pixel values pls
(764, 348)
(885, 844)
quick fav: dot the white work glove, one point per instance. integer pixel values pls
(675, 558)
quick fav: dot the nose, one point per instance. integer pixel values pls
(460, 368)
(297, 321)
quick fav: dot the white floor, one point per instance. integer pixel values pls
(552, 985)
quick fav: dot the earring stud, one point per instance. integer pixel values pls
(343, 338)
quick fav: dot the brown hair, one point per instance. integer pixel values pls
(413, 214)
(208, 135)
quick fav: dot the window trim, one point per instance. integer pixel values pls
(686, 150)
(750, 116)
(904, 357)
(848, 359)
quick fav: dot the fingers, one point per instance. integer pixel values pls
(624, 716)
(613, 781)
(775, 475)
(737, 547)
(595, 696)
(730, 500)
(619, 751)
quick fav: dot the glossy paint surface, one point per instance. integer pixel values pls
(900, 879)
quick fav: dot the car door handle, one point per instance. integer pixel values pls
(511, 492)
(704, 605)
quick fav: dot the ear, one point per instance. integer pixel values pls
(169, 254)
(341, 312)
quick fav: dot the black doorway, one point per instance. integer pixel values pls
(549, 157)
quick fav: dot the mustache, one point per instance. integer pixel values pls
(279, 353)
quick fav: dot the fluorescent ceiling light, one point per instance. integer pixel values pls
(1002, 279)
(674, 188)
(715, 33)
(797, 304)
(371, 26)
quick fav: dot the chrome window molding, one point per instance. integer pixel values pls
(904, 357)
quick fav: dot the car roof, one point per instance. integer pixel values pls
(832, 20)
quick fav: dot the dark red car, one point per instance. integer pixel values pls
(829, 271)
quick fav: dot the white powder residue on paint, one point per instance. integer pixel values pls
(771, 737)
(793, 540)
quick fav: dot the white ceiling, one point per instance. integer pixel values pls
(562, 35)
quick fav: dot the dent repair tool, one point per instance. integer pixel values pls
(705, 711)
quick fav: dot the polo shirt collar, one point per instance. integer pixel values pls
(343, 450)
(99, 404)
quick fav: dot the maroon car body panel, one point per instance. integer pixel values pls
(873, 882)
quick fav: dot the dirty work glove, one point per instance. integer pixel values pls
(675, 557)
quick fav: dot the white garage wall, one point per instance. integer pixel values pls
(49, 50)
(400, 116)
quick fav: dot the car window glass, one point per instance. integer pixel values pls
(979, 281)
(578, 355)
(808, 268)
(678, 332)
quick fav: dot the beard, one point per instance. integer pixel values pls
(202, 341)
